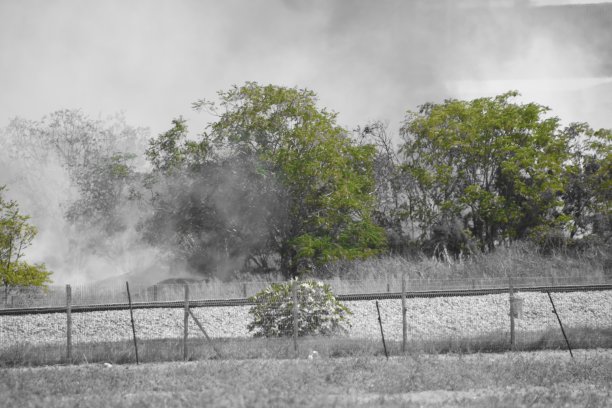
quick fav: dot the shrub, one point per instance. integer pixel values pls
(318, 310)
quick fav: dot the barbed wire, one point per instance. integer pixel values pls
(342, 297)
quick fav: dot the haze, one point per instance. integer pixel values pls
(366, 60)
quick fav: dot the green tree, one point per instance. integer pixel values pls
(16, 234)
(494, 164)
(273, 176)
(323, 180)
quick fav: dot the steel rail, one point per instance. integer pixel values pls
(349, 297)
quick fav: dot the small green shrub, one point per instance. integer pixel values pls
(318, 310)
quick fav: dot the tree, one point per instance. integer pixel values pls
(105, 187)
(323, 181)
(493, 164)
(273, 176)
(392, 188)
(208, 211)
(588, 193)
(16, 234)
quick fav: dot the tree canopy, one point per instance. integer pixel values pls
(497, 166)
(315, 182)
(272, 183)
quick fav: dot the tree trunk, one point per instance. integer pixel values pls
(288, 264)
(490, 238)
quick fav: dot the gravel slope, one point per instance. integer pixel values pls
(427, 318)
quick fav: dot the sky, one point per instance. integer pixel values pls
(150, 59)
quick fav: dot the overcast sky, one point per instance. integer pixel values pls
(366, 59)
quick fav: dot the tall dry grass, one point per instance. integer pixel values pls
(518, 260)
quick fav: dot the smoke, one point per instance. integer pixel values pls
(103, 214)
(556, 56)
(44, 163)
(366, 60)
(395, 55)
(213, 218)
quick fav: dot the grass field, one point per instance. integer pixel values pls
(528, 379)
(168, 350)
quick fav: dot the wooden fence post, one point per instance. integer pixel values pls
(68, 324)
(186, 323)
(382, 334)
(294, 294)
(195, 319)
(404, 322)
(560, 325)
(127, 286)
(511, 291)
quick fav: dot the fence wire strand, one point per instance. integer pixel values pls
(432, 323)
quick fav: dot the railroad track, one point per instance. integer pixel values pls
(350, 297)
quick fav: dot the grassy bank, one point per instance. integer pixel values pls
(510, 380)
(161, 350)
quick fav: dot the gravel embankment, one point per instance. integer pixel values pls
(427, 318)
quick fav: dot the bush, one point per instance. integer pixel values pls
(318, 310)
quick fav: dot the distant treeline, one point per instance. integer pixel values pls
(273, 183)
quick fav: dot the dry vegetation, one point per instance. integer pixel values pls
(520, 259)
(480, 380)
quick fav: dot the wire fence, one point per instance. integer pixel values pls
(92, 294)
(442, 323)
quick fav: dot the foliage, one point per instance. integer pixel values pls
(105, 186)
(323, 180)
(26, 274)
(171, 149)
(16, 234)
(296, 172)
(588, 193)
(71, 139)
(392, 188)
(208, 211)
(318, 310)
(79, 176)
(494, 164)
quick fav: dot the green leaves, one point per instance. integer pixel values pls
(311, 184)
(25, 274)
(16, 234)
(325, 179)
(496, 164)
